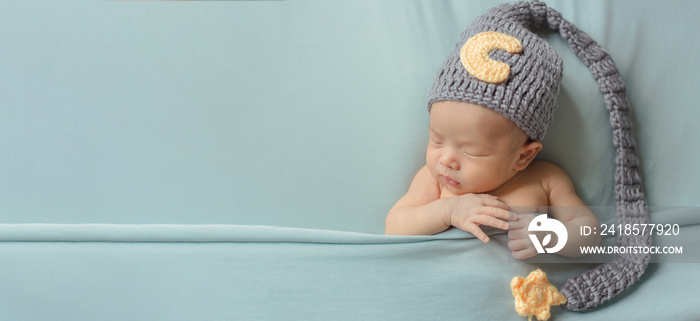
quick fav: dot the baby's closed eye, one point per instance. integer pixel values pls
(476, 153)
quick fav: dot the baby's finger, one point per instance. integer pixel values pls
(515, 234)
(474, 229)
(491, 221)
(515, 224)
(524, 254)
(488, 195)
(495, 212)
(517, 245)
(494, 202)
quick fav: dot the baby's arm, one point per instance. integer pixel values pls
(422, 212)
(565, 206)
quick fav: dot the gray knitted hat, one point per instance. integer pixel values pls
(499, 63)
(521, 78)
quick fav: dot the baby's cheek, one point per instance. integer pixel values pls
(431, 160)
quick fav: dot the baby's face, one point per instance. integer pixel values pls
(472, 149)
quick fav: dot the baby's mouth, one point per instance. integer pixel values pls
(448, 180)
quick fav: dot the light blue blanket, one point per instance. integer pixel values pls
(234, 272)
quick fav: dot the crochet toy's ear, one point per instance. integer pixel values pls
(602, 283)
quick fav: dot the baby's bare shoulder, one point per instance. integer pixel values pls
(549, 174)
(423, 189)
(545, 168)
(425, 183)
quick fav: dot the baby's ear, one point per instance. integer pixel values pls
(526, 154)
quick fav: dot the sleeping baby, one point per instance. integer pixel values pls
(490, 106)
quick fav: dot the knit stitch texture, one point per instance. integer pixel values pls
(528, 98)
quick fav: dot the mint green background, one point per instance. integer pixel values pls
(306, 113)
(296, 113)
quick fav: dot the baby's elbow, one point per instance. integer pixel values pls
(395, 222)
(390, 223)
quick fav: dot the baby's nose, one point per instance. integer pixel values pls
(449, 162)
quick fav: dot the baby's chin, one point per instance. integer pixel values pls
(462, 190)
(459, 190)
(471, 192)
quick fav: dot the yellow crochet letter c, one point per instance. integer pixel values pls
(475, 55)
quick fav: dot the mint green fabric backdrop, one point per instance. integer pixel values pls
(140, 139)
(296, 113)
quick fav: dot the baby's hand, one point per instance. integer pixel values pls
(520, 244)
(467, 212)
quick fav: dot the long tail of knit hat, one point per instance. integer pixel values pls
(526, 94)
(588, 290)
